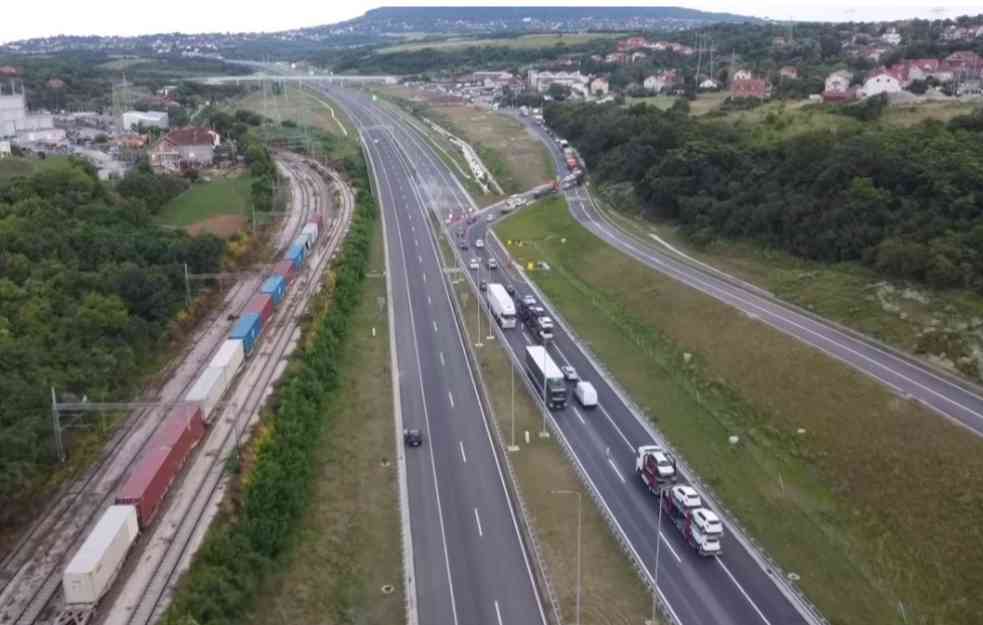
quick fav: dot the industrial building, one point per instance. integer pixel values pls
(17, 125)
(149, 119)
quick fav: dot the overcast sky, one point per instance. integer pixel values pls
(21, 19)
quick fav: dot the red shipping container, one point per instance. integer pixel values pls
(160, 463)
(316, 218)
(262, 305)
(286, 269)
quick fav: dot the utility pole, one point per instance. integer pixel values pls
(513, 447)
(187, 285)
(56, 427)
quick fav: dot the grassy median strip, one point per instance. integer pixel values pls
(348, 544)
(843, 482)
(612, 591)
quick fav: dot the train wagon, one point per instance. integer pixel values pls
(168, 450)
(316, 218)
(229, 358)
(295, 254)
(312, 230)
(247, 330)
(286, 270)
(262, 305)
(98, 561)
(276, 287)
(304, 240)
(208, 389)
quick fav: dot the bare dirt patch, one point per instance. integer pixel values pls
(222, 226)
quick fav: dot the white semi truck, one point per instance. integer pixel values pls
(501, 305)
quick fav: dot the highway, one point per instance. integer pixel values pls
(735, 589)
(469, 563)
(939, 391)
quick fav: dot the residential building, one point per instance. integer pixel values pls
(185, 148)
(662, 80)
(789, 72)
(639, 57)
(750, 88)
(493, 79)
(600, 86)
(616, 57)
(922, 69)
(632, 43)
(742, 74)
(709, 84)
(967, 62)
(838, 86)
(541, 81)
(881, 81)
(148, 119)
(892, 37)
(4, 149)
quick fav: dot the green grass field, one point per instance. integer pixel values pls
(228, 196)
(663, 102)
(523, 41)
(14, 166)
(303, 107)
(348, 546)
(825, 475)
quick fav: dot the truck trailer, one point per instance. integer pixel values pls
(700, 527)
(547, 376)
(655, 466)
(501, 304)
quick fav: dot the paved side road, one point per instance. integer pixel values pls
(468, 559)
(736, 589)
(942, 393)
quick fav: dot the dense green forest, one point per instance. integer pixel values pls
(88, 291)
(906, 201)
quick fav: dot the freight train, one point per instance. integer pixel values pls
(94, 567)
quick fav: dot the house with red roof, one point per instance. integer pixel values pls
(750, 88)
(185, 148)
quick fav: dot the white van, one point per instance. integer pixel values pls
(586, 394)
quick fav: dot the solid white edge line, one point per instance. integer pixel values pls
(409, 572)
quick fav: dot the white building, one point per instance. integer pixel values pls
(709, 84)
(541, 81)
(149, 119)
(881, 82)
(892, 37)
(4, 149)
(742, 74)
(838, 82)
(20, 127)
(600, 86)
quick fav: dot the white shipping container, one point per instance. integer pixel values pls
(311, 231)
(229, 358)
(208, 389)
(97, 562)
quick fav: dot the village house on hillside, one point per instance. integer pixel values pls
(742, 74)
(882, 81)
(661, 81)
(789, 72)
(750, 88)
(185, 148)
(600, 86)
(838, 87)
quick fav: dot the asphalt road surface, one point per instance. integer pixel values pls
(470, 564)
(943, 393)
(734, 589)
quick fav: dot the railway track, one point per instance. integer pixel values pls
(154, 589)
(31, 573)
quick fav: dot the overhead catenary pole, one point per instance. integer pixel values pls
(56, 427)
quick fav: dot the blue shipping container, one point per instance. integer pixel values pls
(296, 255)
(247, 330)
(275, 287)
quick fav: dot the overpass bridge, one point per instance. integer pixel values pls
(340, 79)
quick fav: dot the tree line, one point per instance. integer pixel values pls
(905, 201)
(89, 288)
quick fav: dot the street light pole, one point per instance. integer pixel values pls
(477, 310)
(580, 529)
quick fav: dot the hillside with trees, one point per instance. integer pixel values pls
(905, 201)
(89, 291)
